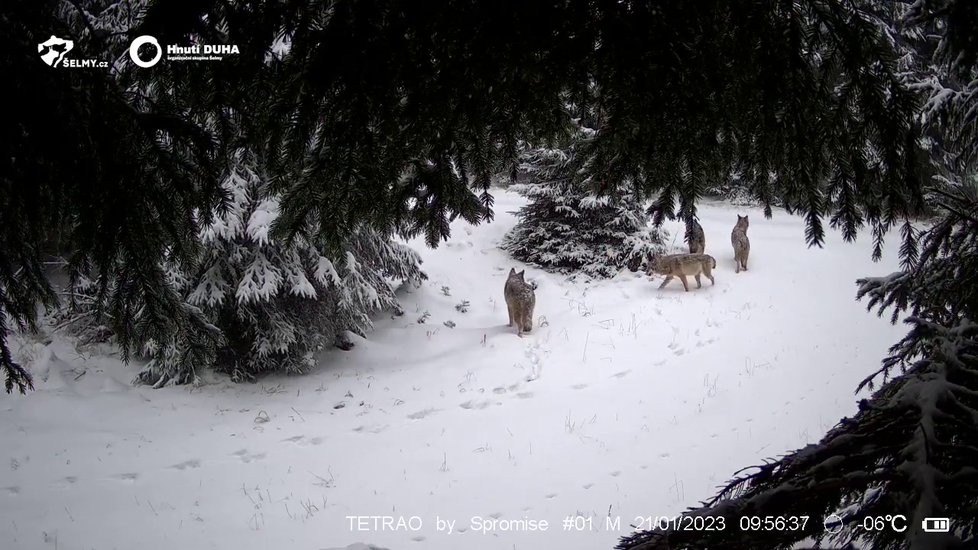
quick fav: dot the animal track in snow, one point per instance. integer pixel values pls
(525, 395)
(551, 496)
(302, 441)
(131, 478)
(187, 465)
(588, 485)
(65, 482)
(418, 539)
(536, 366)
(373, 428)
(679, 351)
(579, 386)
(247, 457)
(421, 414)
(12, 491)
(621, 374)
(484, 404)
(616, 473)
(498, 391)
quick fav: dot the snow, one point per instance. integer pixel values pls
(625, 400)
(260, 223)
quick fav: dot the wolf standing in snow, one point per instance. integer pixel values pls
(520, 301)
(740, 242)
(682, 266)
(695, 237)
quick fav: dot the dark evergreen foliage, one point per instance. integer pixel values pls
(258, 305)
(117, 183)
(911, 451)
(912, 448)
(396, 114)
(954, 89)
(565, 227)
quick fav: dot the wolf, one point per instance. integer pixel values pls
(682, 266)
(520, 301)
(695, 237)
(740, 242)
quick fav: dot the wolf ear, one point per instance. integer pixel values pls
(512, 271)
(522, 274)
(745, 219)
(739, 218)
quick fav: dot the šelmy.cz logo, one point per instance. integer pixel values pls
(53, 52)
(209, 52)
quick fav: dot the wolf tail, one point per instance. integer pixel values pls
(714, 262)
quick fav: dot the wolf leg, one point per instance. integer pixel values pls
(708, 270)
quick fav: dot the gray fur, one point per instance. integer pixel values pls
(740, 242)
(520, 301)
(695, 237)
(683, 265)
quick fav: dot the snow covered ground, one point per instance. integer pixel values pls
(628, 401)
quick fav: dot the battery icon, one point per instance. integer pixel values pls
(936, 525)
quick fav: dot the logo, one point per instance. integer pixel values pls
(53, 50)
(209, 52)
(936, 525)
(141, 41)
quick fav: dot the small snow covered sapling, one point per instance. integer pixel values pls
(424, 317)
(446, 291)
(462, 307)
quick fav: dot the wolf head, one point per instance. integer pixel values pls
(514, 276)
(743, 222)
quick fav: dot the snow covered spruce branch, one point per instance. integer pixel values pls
(912, 449)
(565, 227)
(253, 304)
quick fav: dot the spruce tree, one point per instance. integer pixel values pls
(688, 90)
(267, 305)
(113, 185)
(911, 449)
(566, 227)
